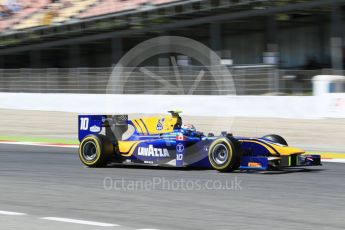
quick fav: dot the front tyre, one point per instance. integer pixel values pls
(95, 150)
(223, 155)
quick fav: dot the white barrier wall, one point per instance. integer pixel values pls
(299, 107)
(333, 105)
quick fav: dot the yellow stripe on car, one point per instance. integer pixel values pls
(286, 150)
(127, 148)
(270, 150)
(282, 150)
(137, 126)
(142, 126)
(328, 155)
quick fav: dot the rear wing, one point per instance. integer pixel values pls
(115, 125)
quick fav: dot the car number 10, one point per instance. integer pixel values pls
(84, 123)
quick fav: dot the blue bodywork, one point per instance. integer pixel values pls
(187, 147)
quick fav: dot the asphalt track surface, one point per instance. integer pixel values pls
(41, 182)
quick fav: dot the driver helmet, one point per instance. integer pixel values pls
(188, 127)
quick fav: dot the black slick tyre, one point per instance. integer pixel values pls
(95, 150)
(223, 155)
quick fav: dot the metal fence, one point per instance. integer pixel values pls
(240, 80)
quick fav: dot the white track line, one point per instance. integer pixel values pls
(12, 213)
(85, 222)
(147, 229)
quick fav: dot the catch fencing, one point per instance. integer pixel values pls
(240, 80)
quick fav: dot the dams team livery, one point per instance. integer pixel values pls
(165, 141)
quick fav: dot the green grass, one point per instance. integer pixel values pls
(39, 139)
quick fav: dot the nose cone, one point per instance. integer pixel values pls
(287, 150)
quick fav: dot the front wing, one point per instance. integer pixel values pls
(264, 163)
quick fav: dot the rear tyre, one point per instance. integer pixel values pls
(276, 138)
(95, 150)
(224, 155)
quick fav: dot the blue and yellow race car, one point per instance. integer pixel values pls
(165, 141)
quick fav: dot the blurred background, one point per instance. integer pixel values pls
(271, 48)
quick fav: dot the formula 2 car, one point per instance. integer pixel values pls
(165, 141)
